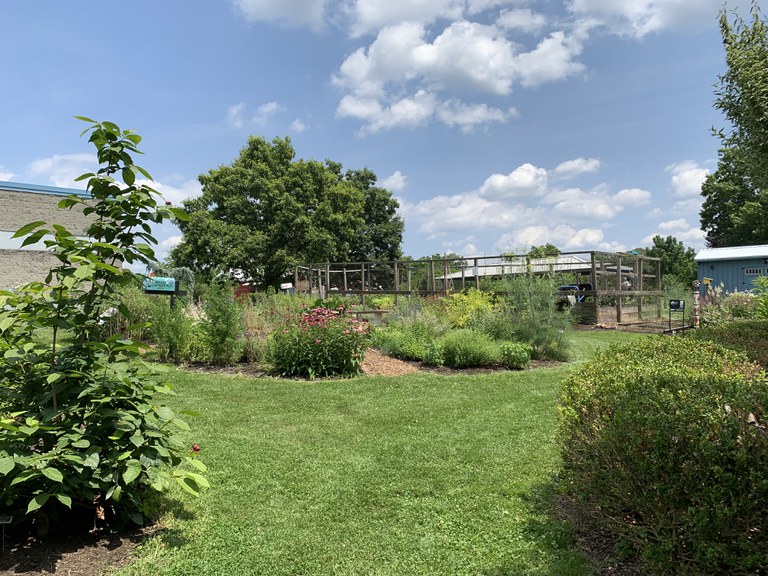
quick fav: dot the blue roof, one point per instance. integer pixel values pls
(40, 189)
(732, 253)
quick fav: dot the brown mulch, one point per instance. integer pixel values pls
(73, 553)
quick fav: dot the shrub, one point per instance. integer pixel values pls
(747, 336)
(515, 355)
(761, 295)
(171, 330)
(319, 342)
(665, 439)
(222, 325)
(81, 420)
(530, 309)
(400, 343)
(468, 309)
(466, 348)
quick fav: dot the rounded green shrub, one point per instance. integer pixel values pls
(666, 440)
(515, 355)
(467, 348)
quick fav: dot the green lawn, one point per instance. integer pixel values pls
(412, 475)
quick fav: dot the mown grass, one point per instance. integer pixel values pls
(423, 474)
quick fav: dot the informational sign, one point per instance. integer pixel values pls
(159, 285)
(677, 305)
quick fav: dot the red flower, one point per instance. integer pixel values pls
(195, 447)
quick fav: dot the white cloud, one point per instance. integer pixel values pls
(563, 236)
(463, 56)
(526, 181)
(235, 115)
(595, 204)
(175, 194)
(62, 169)
(265, 112)
(372, 15)
(408, 112)
(633, 196)
(292, 12)
(468, 116)
(681, 229)
(577, 166)
(6, 174)
(521, 19)
(640, 17)
(687, 178)
(297, 126)
(396, 182)
(553, 59)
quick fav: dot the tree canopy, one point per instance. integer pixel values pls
(267, 212)
(735, 208)
(677, 261)
(544, 251)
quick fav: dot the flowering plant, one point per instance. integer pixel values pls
(318, 342)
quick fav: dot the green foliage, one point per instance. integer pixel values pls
(410, 327)
(318, 342)
(222, 325)
(747, 336)
(666, 441)
(529, 314)
(468, 309)
(761, 294)
(80, 419)
(466, 348)
(267, 212)
(515, 355)
(677, 264)
(544, 251)
(172, 331)
(735, 207)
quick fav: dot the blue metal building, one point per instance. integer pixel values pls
(735, 268)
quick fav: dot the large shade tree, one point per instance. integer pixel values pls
(735, 208)
(267, 212)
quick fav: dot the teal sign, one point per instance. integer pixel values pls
(155, 284)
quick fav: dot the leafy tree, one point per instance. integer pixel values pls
(735, 209)
(267, 212)
(677, 261)
(543, 251)
(80, 417)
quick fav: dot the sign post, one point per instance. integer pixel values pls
(163, 285)
(676, 306)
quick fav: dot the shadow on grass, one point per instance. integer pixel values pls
(567, 539)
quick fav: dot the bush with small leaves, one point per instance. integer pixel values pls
(467, 348)
(515, 355)
(666, 441)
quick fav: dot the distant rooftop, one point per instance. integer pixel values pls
(732, 253)
(40, 189)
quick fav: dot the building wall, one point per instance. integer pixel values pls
(734, 275)
(22, 204)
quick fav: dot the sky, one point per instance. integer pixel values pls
(497, 124)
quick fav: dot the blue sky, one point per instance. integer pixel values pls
(498, 124)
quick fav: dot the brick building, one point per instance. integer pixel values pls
(24, 203)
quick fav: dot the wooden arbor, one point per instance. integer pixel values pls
(612, 287)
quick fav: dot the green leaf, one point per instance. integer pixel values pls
(6, 465)
(198, 464)
(164, 413)
(189, 485)
(132, 471)
(82, 443)
(86, 119)
(34, 237)
(54, 377)
(24, 230)
(52, 474)
(129, 177)
(64, 499)
(37, 502)
(92, 460)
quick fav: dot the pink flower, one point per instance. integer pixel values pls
(317, 340)
(195, 447)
